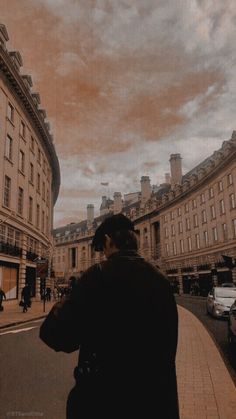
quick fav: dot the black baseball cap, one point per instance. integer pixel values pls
(111, 224)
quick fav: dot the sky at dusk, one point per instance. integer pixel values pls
(124, 85)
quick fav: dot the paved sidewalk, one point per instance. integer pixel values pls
(12, 313)
(206, 390)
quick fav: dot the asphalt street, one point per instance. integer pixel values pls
(216, 327)
(34, 380)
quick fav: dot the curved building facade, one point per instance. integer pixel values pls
(29, 176)
(185, 225)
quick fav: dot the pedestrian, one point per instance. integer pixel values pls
(26, 297)
(48, 294)
(122, 317)
(2, 295)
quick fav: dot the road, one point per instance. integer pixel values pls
(216, 327)
(34, 380)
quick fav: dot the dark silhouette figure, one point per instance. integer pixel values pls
(2, 295)
(122, 316)
(26, 297)
(48, 294)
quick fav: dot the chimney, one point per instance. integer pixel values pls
(167, 178)
(176, 169)
(146, 189)
(117, 203)
(90, 214)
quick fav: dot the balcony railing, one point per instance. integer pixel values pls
(31, 256)
(10, 249)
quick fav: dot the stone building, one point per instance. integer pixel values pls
(184, 225)
(29, 176)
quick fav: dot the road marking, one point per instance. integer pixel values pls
(18, 330)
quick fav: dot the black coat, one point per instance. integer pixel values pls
(125, 314)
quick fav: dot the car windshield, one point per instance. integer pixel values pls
(225, 292)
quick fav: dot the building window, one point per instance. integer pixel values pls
(165, 218)
(7, 191)
(39, 156)
(186, 207)
(187, 223)
(220, 186)
(195, 220)
(73, 257)
(172, 230)
(234, 227)
(166, 232)
(211, 192)
(31, 173)
(202, 198)
(189, 241)
(214, 234)
(30, 209)
(222, 207)
(172, 215)
(224, 231)
(9, 148)
(180, 225)
(20, 201)
(32, 143)
(22, 129)
(167, 248)
(181, 242)
(174, 248)
(43, 191)
(213, 213)
(38, 182)
(10, 236)
(22, 161)
(197, 241)
(44, 166)
(47, 225)
(37, 215)
(194, 204)
(230, 179)
(43, 221)
(232, 201)
(179, 211)
(204, 219)
(47, 197)
(10, 112)
(205, 235)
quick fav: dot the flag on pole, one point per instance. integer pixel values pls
(104, 183)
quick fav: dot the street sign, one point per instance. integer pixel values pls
(42, 268)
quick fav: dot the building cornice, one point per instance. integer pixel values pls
(21, 86)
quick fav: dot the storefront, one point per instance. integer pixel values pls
(9, 274)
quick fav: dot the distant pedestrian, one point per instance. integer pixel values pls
(2, 295)
(48, 294)
(26, 297)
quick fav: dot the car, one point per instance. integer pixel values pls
(228, 284)
(219, 301)
(232, 326)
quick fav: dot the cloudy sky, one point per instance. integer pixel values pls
(125, 83)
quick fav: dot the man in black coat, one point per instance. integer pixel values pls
(122, 317)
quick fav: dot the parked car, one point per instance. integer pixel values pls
(232, 326)
(228, 284)
(219, 301)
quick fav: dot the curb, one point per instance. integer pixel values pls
(22, 321)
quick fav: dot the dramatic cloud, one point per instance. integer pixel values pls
(125, 84)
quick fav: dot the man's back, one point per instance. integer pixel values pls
(124, 312)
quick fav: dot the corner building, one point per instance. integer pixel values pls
(184, 225)
(29, 176)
